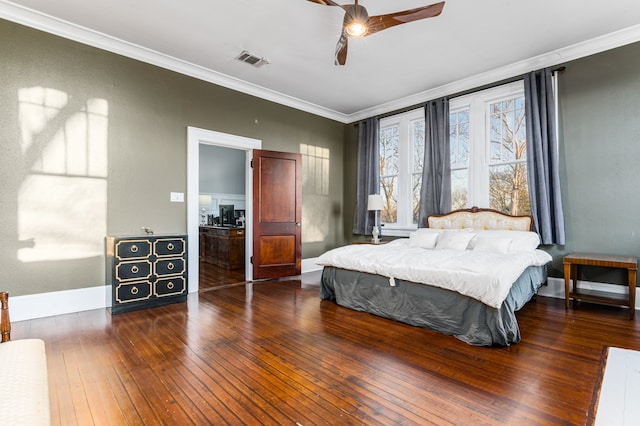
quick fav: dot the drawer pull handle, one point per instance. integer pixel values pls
(134, 269)
(134, 248)
(170, 246)
(134, 290)
(170, 285)
(170, 266)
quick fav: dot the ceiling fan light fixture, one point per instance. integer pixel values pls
(356, 29)
(356, 20)
(357, 23)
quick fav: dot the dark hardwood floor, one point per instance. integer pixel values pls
(273, 353)
(212, 276)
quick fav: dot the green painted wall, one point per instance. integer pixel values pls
(600, 156)
(93, 143)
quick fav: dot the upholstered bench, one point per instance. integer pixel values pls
(24, 388)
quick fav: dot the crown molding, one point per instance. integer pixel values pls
(43, 22)
(559, 56)
(34, 19)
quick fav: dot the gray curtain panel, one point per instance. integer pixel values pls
(368, 178)
(542, 157)
(435, 193)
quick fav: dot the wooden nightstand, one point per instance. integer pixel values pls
(571, 263)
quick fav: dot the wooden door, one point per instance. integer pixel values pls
(277, 214)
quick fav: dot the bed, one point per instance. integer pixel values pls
(465, 275)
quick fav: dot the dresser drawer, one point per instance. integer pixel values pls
(173, 266)
(170, 286)
(132, 292)
(133, 249)
(169, 247)
(128, 271)
(236, 232)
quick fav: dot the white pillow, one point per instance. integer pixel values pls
(520, 240)
(424, 237)
(491, 244)
(454, 240)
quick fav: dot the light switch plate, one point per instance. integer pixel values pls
(177, 197)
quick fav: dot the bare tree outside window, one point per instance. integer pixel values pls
(418, 164)
(389, 168)
(401, 144)
(488, 146)
(459, 148)
(488, 157)
(508, 188)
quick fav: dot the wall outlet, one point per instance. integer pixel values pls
(177, 197)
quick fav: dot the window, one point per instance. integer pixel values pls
(401, 141)
(488, 157)
(488, 150)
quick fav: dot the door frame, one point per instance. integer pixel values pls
(195, 137)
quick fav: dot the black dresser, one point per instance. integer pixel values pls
(146, 271)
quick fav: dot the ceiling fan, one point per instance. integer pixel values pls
(358, 23)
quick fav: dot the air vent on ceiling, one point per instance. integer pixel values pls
(252, 59)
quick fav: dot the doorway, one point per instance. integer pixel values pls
(196, 137)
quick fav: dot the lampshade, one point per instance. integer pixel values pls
(204, 200)
(375, 202)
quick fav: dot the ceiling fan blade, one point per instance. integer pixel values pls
(341, 49)
(325, 2)
(382, 22)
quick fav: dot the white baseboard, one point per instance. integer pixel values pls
(309, 265)
(41, 305)
(555, 288)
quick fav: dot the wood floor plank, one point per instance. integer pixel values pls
(273, 353)
(298, 387)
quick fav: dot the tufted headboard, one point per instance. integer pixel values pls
(480, 219)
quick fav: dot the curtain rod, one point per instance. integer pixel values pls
(560, 68)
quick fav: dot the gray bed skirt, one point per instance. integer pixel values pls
(434, 308)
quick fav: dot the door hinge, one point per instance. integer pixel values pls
(252, 164)
(251, 260)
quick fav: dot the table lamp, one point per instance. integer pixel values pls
(375, 203)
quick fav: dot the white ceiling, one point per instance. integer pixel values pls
(473, 42)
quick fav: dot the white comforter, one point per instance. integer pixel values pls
(484, 276)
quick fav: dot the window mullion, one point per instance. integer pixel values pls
(478, 175)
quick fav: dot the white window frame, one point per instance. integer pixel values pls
(479, 135)
(404, 122)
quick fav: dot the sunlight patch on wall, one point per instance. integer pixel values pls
(315, 168)
(316, 208)
(62, 201)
